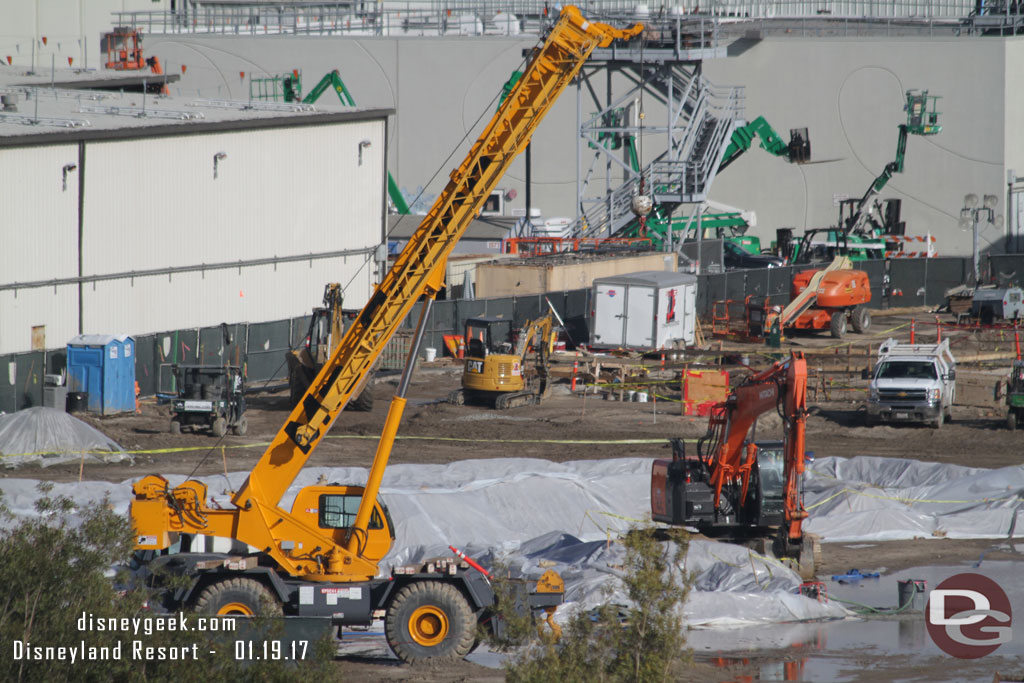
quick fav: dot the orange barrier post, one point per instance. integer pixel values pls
(938, 330)
(912, 324)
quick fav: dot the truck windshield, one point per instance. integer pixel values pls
(905, 369)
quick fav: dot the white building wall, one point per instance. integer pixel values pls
(278, 192)
(53, 308)
(256, 294)
(153, 203)
(38, 218)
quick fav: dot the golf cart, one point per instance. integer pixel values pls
(209, 397)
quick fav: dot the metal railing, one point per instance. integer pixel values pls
(511, 17)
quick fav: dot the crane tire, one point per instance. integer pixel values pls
(219, 427)
(240, 597)
(430, 621)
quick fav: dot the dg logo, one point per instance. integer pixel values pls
(968, 616)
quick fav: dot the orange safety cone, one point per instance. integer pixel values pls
(138, 392)
(462, 347)
(575, 368)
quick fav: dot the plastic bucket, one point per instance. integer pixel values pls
(429, 354)
(77, 401)
(913, 591)
(641, 397)
(630, 395)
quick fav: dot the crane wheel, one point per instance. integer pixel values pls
(430, 621)
(242, 427)
(240, 597)
(219, 427)
(1011, 421)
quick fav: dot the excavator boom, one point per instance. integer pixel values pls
(713, 490)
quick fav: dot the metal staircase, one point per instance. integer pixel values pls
(701, 119)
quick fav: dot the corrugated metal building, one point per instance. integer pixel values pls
(128, 214)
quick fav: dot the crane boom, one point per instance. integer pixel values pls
(300, 549)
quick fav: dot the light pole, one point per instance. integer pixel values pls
(971, 214)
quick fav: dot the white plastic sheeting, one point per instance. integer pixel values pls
(884, 499)
(46, 436)
(534, 514)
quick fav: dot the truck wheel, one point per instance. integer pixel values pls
(861, 319)
(363, 402)
(430, 620)
(1011, 421)
(838, 324)
(175, 427)
(937, 424)
(219, 427)
(242, 427)
(243, 597)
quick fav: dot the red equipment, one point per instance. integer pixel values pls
(733, 483)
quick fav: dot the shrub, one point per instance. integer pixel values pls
(642, 643)
(54, 572)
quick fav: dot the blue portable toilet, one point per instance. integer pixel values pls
(103, 366)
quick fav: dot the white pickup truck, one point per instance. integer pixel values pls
(912, 383)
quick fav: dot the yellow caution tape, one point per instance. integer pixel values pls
(184, 449)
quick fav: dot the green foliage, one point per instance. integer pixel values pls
(644, 643)
(54, 571)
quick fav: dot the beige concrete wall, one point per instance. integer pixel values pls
(517, 279)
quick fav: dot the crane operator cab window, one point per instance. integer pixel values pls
(339, 512)
(485, 336)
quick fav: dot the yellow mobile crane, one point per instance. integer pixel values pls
(321, 557)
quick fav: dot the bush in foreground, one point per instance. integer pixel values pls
(54, 572)
(644, 643)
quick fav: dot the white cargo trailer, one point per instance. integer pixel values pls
(651, 309)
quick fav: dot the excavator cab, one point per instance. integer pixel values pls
(496, 368)
(491, 367)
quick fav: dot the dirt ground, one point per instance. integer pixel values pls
(435, 432)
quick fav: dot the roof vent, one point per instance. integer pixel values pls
(9, 102)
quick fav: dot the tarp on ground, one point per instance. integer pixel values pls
(536, 514)
(46, 436)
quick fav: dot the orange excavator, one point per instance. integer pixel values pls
(736, 485)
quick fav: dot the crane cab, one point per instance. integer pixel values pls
(332, 509)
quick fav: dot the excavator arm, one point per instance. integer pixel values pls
(730, 458)
(256, 518)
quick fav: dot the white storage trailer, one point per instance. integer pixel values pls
(651, 309)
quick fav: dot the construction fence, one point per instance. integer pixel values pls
(261, 347)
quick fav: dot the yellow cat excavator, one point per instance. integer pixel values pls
(321, 558)
(498, 372)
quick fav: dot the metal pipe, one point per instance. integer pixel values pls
(274, 260)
